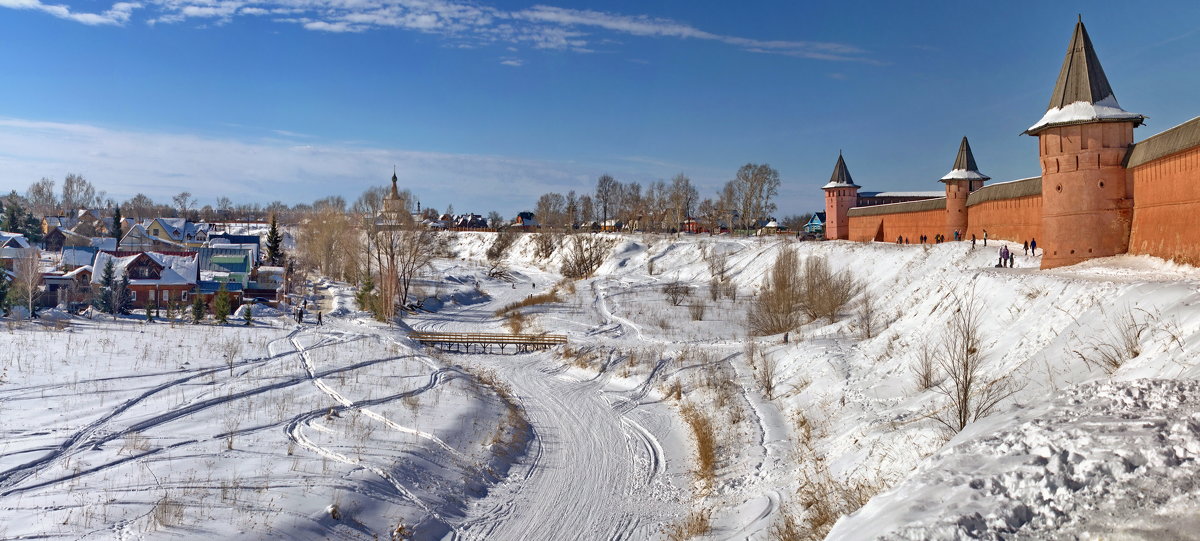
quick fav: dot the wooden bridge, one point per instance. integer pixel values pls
(465, 342)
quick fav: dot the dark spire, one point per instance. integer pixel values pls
(964, 165)
(965, 159)
(395, 194)
(1082, 93)
(1081, 77)
(841, 176)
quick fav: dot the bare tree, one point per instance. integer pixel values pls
(960, 360)
(777, 308)
(27, 277)
(868, 314)
(41, 198)
(608, 193)
(584, 255)
(139, 207)
(757, 185)
(77, 193)
(683, 198)
(551, 210)
(183, 202)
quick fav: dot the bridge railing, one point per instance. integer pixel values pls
(490, 338)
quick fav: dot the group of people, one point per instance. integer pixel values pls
(1007, 257)
(298, 314)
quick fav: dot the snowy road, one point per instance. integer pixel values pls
(592, 472)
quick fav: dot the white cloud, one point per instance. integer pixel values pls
(514, 62)
(118, 14)
(462, 23)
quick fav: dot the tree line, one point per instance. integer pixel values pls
(742, 203)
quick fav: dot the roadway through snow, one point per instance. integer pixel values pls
(604, 462)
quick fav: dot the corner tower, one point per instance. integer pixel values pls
(841, 194)
(1087, 193)
(962, 179)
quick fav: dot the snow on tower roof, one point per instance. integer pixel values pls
(841, 176)
(964, 165)
(1082, 93)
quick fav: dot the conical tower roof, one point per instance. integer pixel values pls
(1082, 93)
(841, 176)
(964, 165)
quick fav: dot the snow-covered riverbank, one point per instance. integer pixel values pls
(122, 429)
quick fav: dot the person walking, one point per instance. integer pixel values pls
(1003, 254)
(1012, 258)
(1033, 247)
(985, 237)
(1025, 245)
(318, 317)
(955, 235)
(972, 240)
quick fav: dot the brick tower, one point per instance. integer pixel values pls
(962, 179)
(1087, 194)
(841, 194)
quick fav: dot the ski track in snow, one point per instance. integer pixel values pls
(591, 471)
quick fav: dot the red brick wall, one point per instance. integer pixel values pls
(1167, 207)
(907, 224)
(1018, 219)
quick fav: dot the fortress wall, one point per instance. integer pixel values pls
(1007, 210)
(1166, 207)
(1018, 219)
(885, 223)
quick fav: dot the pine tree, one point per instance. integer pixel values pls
(4, 301)
(247, 315)
(108, 281)
(198, 308)
(123, 303)
(274, 244)
(12, 216)
(150, 309)
(221, 305)
(365, 297)
(117, 224)
(170, 312)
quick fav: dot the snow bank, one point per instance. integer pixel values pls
(1103, 460)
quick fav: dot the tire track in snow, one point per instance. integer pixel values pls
(585, 481)
(82, 437)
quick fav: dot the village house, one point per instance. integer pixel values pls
(154, 277)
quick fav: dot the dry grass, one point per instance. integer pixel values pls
(706, 444)
(696, 310)
(516, 322)
(1120, 342)
(533, 300)
(696, 524)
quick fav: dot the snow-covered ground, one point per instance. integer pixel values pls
(349, 430)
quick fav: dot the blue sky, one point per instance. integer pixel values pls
(486, 105)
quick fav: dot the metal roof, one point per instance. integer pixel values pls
(1006, 190)
(964, 165)
(1081, 80)
(841, 176)
(893, 208)
(1177, 139)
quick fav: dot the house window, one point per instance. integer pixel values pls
(153, 295)
(132, 295)
(183, 295)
